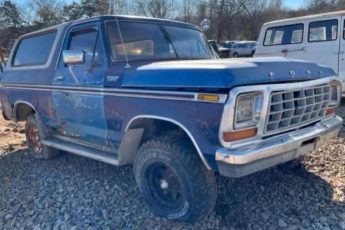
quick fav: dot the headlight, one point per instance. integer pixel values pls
(248, 110)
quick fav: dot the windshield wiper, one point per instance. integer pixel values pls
(168, 39)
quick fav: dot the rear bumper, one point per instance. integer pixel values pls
(245, 160)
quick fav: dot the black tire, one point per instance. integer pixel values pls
(4, 115)
(196, 190)
(235, 55)
(33, 138)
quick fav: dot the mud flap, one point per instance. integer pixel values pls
(129, 145)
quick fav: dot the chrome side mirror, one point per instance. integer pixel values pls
(71, 57)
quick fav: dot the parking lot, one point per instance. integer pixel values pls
(72, 192)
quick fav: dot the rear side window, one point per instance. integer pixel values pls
(284, 35)
(34, 50)
(321, 31)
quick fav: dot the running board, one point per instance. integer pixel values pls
(82, 151)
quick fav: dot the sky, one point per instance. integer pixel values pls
(294, 4)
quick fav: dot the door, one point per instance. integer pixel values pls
(341, 72)
(282, 40)
(77, 96)
(323, 39)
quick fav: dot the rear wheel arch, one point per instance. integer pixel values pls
(149, 126)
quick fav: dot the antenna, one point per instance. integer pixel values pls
(123, 45)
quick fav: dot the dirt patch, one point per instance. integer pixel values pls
(12, 136)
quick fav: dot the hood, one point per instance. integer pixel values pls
(223, 73)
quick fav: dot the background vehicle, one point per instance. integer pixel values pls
(318, 38)
(229, 44)
(243, 49)
(222, 52)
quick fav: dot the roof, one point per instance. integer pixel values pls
(311, 16)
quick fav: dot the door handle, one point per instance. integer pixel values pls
(59, 78)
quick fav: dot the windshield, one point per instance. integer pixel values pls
(149, 41)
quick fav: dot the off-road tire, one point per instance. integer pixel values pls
(197, 184)
(36, 148)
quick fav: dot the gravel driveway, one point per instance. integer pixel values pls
(72, 192)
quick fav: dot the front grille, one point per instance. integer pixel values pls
(293, 108)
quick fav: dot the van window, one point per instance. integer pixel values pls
(27, 55)
(321, 31)
(284, 35)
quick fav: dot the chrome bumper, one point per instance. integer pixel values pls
(275, 150)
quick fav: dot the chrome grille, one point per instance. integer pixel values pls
(293, 108)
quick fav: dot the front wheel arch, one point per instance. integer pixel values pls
(155, 126)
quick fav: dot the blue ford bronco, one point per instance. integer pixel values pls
(152, 93)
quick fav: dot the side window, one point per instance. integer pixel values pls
(87, 41)
(320, 31)
(26, 53)
(284, 35)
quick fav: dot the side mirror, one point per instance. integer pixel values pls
(71, 57)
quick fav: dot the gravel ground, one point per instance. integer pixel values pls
(72, 192)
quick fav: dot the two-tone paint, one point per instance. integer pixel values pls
(97, 106)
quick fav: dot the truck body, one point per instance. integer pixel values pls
(152, 93)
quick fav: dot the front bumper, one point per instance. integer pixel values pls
(238, 162)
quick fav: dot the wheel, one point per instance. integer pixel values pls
(33, 139)
(4, 115)
(173, 181)
(235, 55)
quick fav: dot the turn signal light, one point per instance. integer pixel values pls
(239, 135)
(208, 97)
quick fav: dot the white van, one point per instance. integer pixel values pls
(318, 38)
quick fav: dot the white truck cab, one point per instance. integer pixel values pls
(317, 38)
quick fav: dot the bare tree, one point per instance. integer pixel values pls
(222, 12)
(47, 12)
(186, 10)
(155, 8)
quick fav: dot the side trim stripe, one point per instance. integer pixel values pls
(153, 94)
